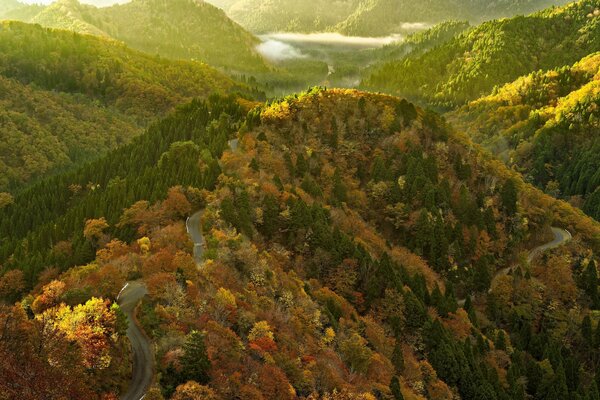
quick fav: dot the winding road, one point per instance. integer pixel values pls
(129, 298)
(143, 359)
(561, 237)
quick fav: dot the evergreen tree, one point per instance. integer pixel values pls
(195, 364)
(395, 389)
(509, 196)
(398, 358)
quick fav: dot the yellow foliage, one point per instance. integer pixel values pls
(261, 329)
(145, 244)
(225, 298)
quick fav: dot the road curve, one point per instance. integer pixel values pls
(561, 237)
(143, 359)
(128, 299)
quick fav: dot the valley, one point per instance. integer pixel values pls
(315, 200)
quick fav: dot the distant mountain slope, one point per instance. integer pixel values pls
(68, 15)
(382, 17)
(8, 5)
(420, 42)
(547, 125)
(182, 29)
(178, 29)
(494, 53)
(263, 16)
(68, 97)
(367, 17)
(19, 11)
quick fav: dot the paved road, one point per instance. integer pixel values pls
(128, 299)
(143, 359)
(561, 237)
(233, 144)
(193, 228)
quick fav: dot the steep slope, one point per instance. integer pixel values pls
(265, 16)
(8, 5)
(68, 15)
(367, 17)
(382, 17)
(418, 43)
(494, 53)
(68, 97)
(546, 125)
(339, 236)
(20, 11)
(178, 29)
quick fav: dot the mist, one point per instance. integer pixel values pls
(276, 50)
(333, 39)
(288, 46)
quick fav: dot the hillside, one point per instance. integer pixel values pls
(15, 11)
(265, 16)
(493, 53)
(177, 29)
(367, 17)
(546, 124)
(67, 97)
(382, 17)
(418, 43)
(339, 238)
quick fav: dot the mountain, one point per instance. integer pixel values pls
(546, 125)
(367, 17)
(493, 53)
(418, 43)
(16, 11)
(382, 17)
(265, 16)
(67, 98)
(177, 29)
(354, 245)
(8, 5)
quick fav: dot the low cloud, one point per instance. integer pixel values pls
(332, 39)
(414, 26)
(276, 50)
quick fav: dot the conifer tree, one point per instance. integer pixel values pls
(194, 362)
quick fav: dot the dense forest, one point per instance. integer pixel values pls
(366, 17)
(158, 217)
(547, 125)
(167, 28)
(493, 53)
(66, 97)
(352, 244)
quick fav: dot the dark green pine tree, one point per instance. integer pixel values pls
(509, 196)
(398, 358)
(340, 192)
(194, 362)
(470, 310)
(500, 342)
(395, 389)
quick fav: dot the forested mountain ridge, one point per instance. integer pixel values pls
(494, 53)
(382, 17)
(546, 125)
(178, 29)
(69, 97)
(367, 17)
(418, 43)
(339, 238)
